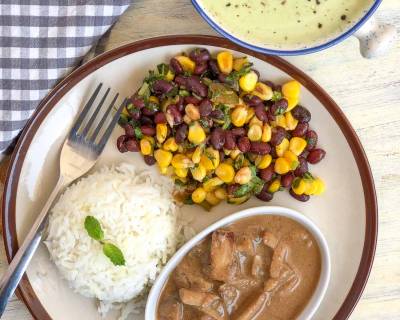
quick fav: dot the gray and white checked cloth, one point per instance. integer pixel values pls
(41, 41)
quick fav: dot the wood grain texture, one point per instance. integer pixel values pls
(368, 91)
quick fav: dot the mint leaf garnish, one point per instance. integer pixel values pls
(114, 254)
(93, 228)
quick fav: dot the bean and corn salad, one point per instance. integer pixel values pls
(222, 133)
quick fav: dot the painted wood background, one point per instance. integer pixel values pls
(367, 90)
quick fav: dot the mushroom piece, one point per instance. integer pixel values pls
(222, 255)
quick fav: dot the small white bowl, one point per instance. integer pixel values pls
(313, 304)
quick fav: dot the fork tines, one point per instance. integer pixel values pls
(87, 134)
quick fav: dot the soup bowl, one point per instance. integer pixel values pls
(322, 285)
(375, 38)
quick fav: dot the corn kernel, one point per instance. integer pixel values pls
(212, 184)
(161, 132)
(225, 62)
(311, 187)
(229, 161)
(274, 186)
(163, 157)
(213, 155)
(146, 147)
(221, 193)
(170, 145)
(255, 120)
(319, 186)
(291, 122)
(234, 153)
(263, 162)
(199, 195)
(248, 81)
(192, 112)
(154, 99)
(291, 158)
(298, 186)
(266, 133)
(225, 172)
(292, 102)
(239, 115)
(243, 176)
(250, 114)
(262, 91)
(170, 75)
(206, 163)
(291, 89)
(198, 172)
(181, 173)
(196, 133)
(254, 133)
(282, 166)
(280, 121)
(196, 156)
(186, 63)
(239, 63)
(180, 161)
(297, 145)
(282, 147)
(212, 199)
(163, 170)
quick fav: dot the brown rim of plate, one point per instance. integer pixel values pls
(25, 289)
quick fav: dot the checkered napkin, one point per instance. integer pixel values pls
(41, 41)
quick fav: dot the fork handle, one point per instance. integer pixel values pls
(20, 262)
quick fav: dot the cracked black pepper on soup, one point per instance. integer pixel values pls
(286, 23)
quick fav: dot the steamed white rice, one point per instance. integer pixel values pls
(137, 213)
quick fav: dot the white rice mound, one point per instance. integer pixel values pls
(137, 214)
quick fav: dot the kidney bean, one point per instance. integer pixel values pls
(135, 113)
(271, 116)
(302, 168)
(176, 66)
(270, 84)
(137, 102)
(217, 114)
(213, 65)
(238, 132)
(181, 133)
(301, 197)
(287, 179)
(205, 107)
(304, 154)
(129, 131)
(200, 55)
(273, 153)
(121, 144)
(231, 188)
(260, 112)
(180, 80)
(312, 139)
(265, 196)
(192, 100)
(162, 87)
(145, 120)
(252, 100)
(301, 114)
(222, 77)
(173, 115)
(260, 147)
(148, 112)
(279, 107)
(267, 173)
(278, 134)
(230, 142)
(149, 160)
(244, 144)
(300, 130)
(217, 138)
(200, 68)
(148, 130)
(159, 117)
(316, 155)
(194, 84)
(132, 145)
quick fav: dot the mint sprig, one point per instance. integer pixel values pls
(111, 251)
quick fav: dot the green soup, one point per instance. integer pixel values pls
(290, 24)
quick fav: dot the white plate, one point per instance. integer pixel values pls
(346, 214)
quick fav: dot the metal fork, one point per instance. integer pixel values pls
(79, 153)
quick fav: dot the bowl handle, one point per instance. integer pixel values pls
(376, 38)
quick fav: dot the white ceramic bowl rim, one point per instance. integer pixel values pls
(313, 304)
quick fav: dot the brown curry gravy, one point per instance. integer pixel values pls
(262, 267)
